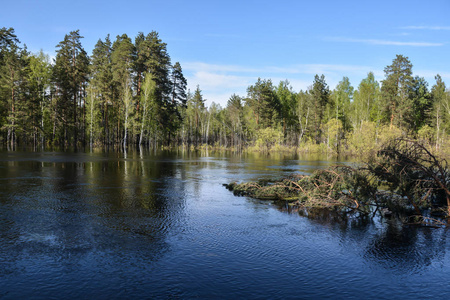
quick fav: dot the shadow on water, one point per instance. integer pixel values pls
(386, 242)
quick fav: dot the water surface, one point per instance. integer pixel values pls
(161, 225)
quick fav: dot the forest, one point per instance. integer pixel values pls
(128, 93)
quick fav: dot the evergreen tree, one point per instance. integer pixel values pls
(343, 97)
(102, 87)
(13, 87)
(122, 62)
(439, 116)
(235, 115)
(7, 40)
(139, 67)
(70, 77)
(158, 64)
(264, 102)
(320, 97)
(178, 85)
(418, 116)
(197, 106)
(396, 90)
(287, 99)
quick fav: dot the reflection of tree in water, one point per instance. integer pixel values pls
(327, 217)
(141, 200)
(386, 242)
(406, 249)
(87, 210)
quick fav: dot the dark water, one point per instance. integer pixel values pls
(106, 226)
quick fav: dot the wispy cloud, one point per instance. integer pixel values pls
(430, 74)
(426, 27)
(210, 80)
(201, 66)
(385, 42)
(218, 35)
(293, 69)
(219, 81)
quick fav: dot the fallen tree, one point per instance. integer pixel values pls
(403, 177)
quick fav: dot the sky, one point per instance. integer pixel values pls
(224, 46)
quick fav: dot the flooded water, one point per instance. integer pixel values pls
(162, 226)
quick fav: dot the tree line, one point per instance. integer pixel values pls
(129, 93)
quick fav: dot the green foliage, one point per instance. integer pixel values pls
(404, 177)
(70, 76)
(366, 105)
(128, 92)
(362, 140)
(287, 99)
(334, 132)
(412, 173)
(320, 96)
(235, 117)
(268, 137)
(396, 103)
(102, 92)
(426, 133)
(422, 104)
(342, 97)
(264, 103)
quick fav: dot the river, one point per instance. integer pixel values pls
(160, 225)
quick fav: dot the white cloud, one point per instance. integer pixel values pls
(430, 74)
(218, 82)
(385, 42)
(218, 98)
(200, 66)
(218, 86)
(427, 27)
(210, 80)
(294, 69)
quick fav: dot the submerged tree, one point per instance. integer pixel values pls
(413, 176)
(412, 171)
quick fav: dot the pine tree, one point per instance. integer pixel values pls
(421, 100)
(287, 99)
(396, 90)
(178, 85)
(70, 78)
(343, 97)
(261, 97)
(197, 106)
(13, 87)
(122, 62)
(320, 97)
(102, 86)
(235, 115)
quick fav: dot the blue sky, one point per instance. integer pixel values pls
(224, 46)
